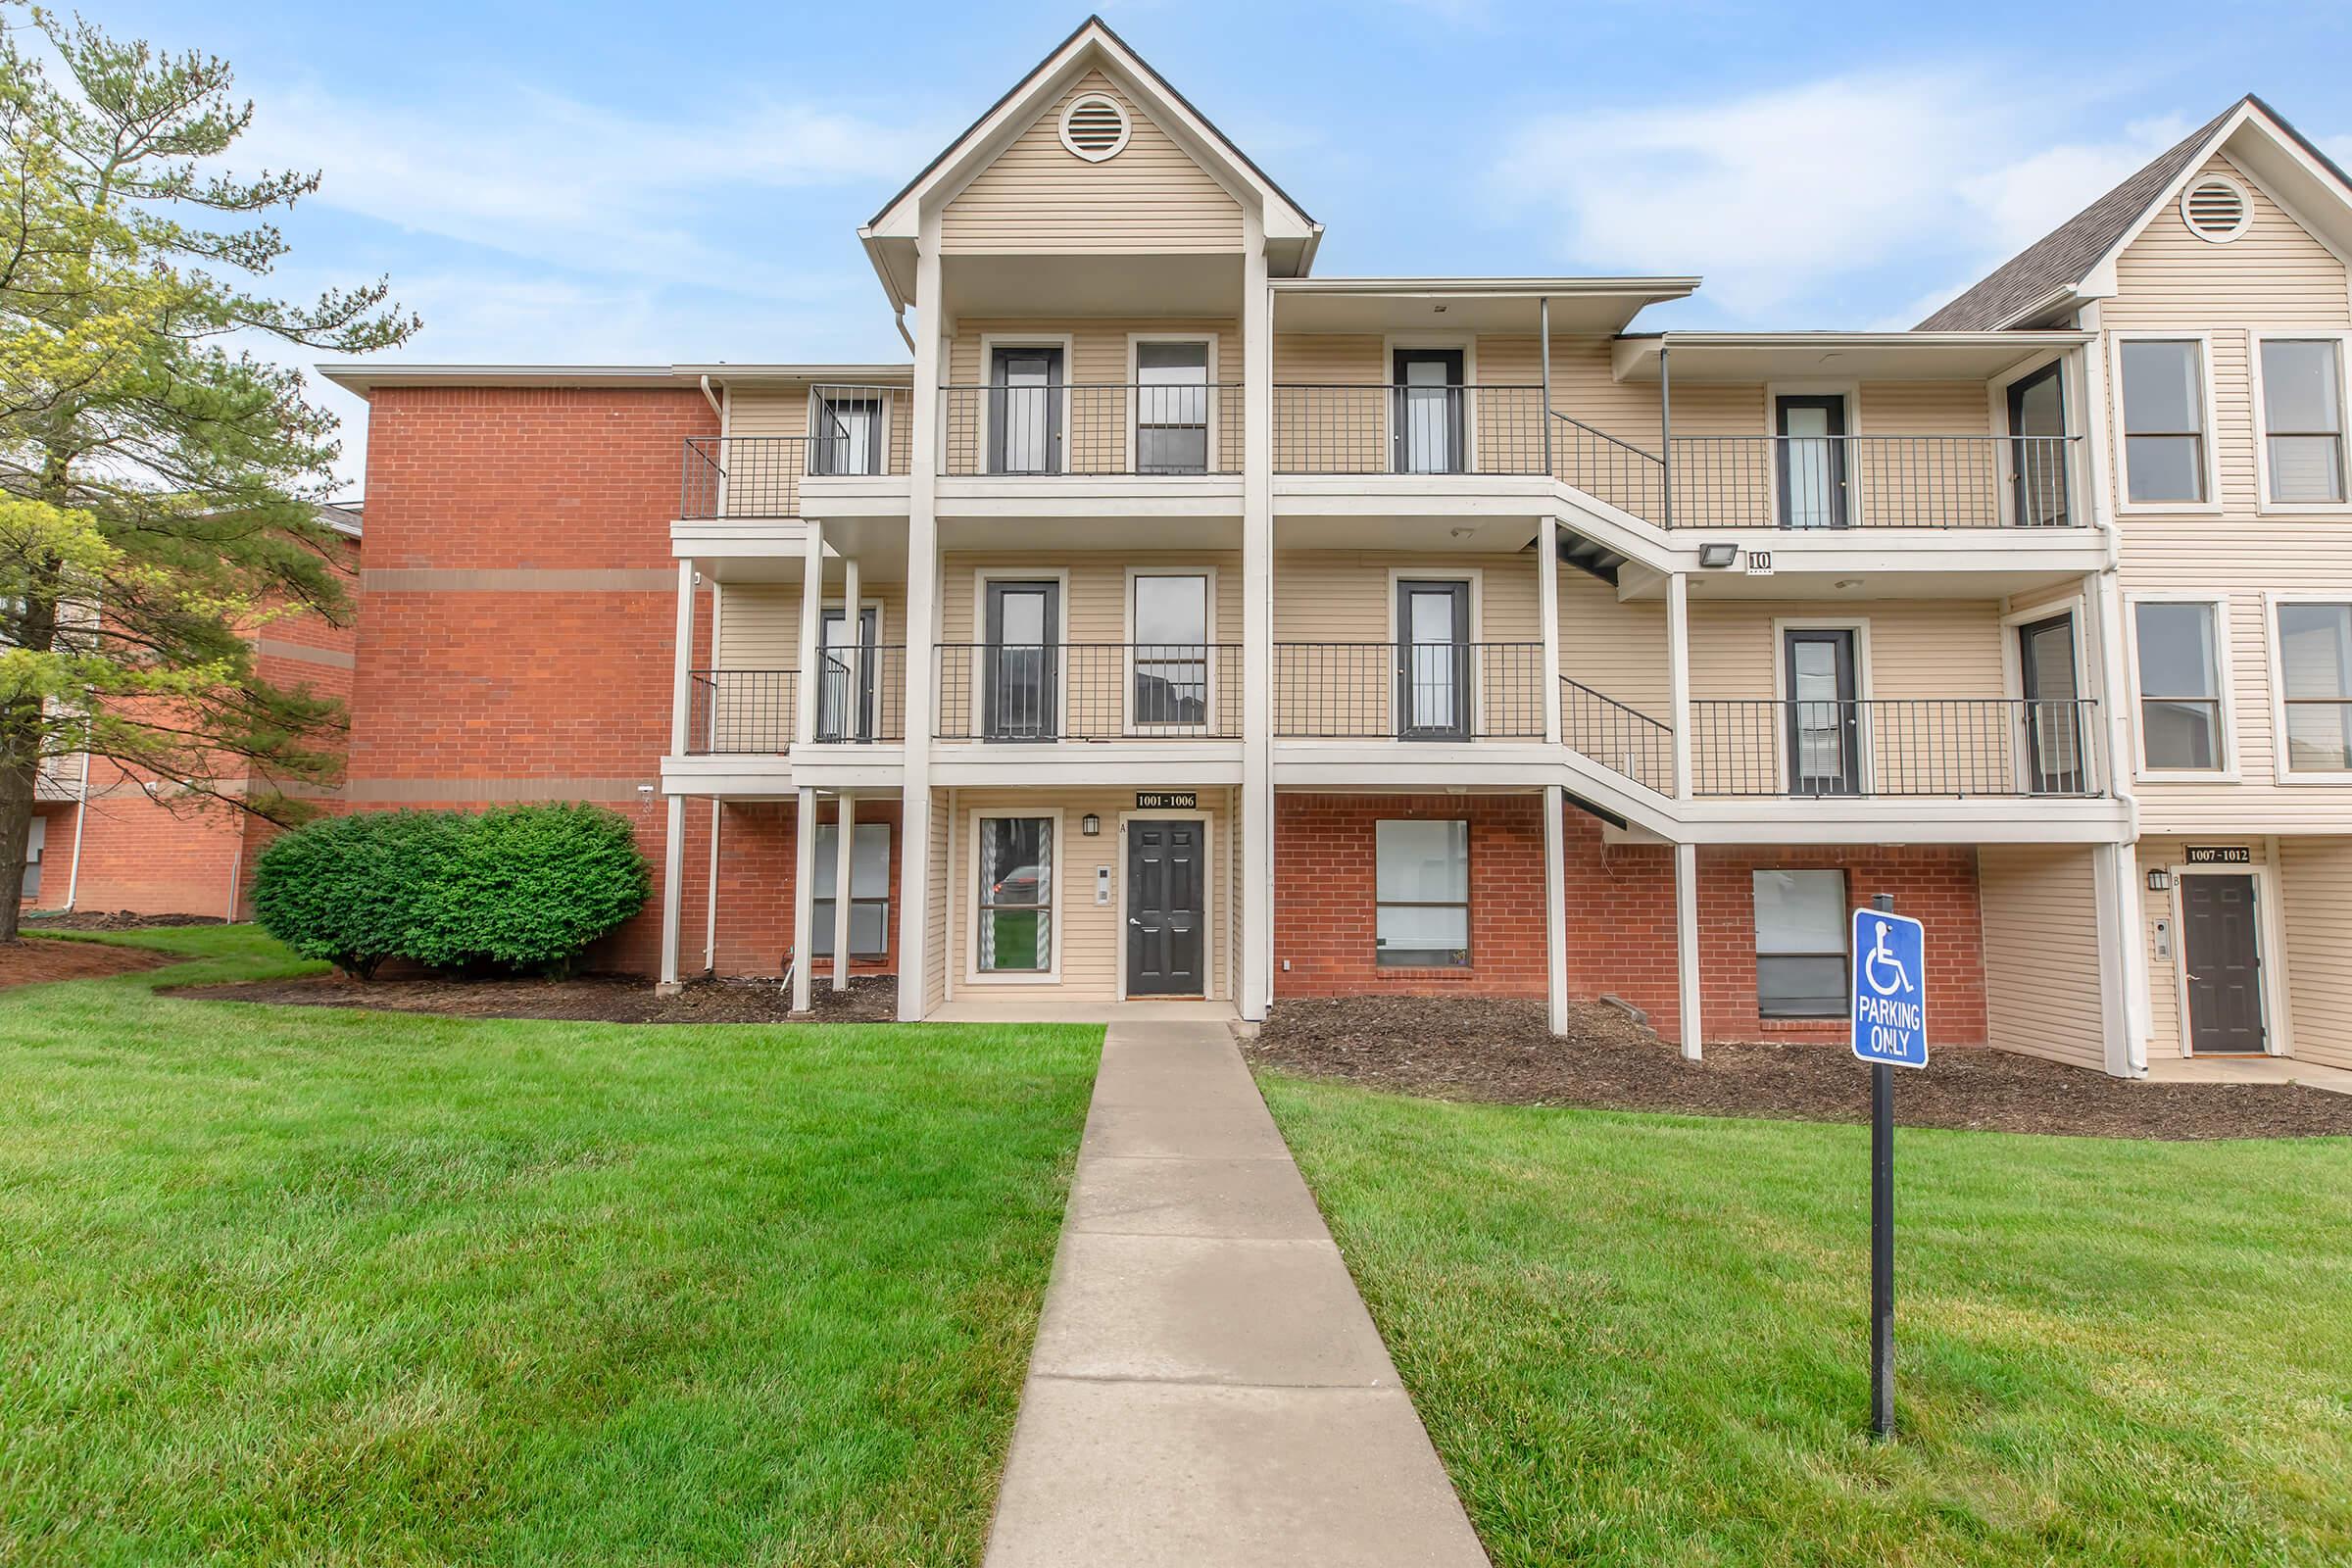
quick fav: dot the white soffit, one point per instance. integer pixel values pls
(1744, 356)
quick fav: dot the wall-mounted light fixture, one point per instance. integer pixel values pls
(2160, 881)
(1090, 824)
(1718, 553)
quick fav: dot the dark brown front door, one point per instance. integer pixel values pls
(2221, 946)
(1165, 909)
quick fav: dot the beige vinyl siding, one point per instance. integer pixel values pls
(2315, 878)
(1098, 345)
(783, 410)
(1039, 198)
(1093, 941)
(1616, 648)
(759, 622)
(1099, 411)
(2041, 951)
(2275, 277)
(1349, 596)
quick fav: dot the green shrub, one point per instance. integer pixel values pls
(530, 886)
(521, 887)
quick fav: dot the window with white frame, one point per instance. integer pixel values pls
(869, 890)
(1171, 651)
(1016, 895)
(34, 841)
(1801, 944)
(1171, 408)
(2178, 648)
(2315, 679)
(1422, 894)
(2164, 420)
(2303, 420)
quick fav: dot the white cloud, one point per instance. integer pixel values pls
(534, 173)
(1789, 193)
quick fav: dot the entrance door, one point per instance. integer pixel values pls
(1825, 754)
(1812, 462)
(2222, 953)
(1433, 660)
(1428, 418)
(2045, 666)
(1024, 411)
(1166, 905)
(1020, 667)
(845, 685)
(2038, 449)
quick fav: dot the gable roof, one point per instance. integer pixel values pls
(2073, 254)
(1091, 45)
(2065, 255)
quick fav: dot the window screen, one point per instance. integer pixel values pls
(1422, 892)
(869, 890)
(1801, 944)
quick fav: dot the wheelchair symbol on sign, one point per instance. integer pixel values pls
(1879, 958)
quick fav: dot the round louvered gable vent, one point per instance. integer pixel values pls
(2214, 209)
(1094, 127)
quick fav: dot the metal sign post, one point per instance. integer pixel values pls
(1890, 1015)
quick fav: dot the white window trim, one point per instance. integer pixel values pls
(2269, 932)
(1469, 893)
(1476, 577)
(1215, 650)
(1135, 382)
(2274, 648)
(985, 380)
(1389, 343)
(2070, 391)
(2227, 741)
(977, 720)
(2013, 684)
(1859, 625)
(887, 397)
(1209, 971)
(2124, 505)
(1851, 392)
(973, 974)
(2262, 419)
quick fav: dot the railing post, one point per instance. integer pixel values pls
(812, 610)
(1543, 351)
(1678, 676)
(1666, 448)
(1548, 599)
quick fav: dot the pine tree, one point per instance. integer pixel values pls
(159, 480)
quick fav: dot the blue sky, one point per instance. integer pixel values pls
(601, 183)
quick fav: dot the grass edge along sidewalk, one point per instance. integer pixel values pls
(297, 1284)
(1641, 1339)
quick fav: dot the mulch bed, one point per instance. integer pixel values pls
(28, 963)
(585, 999)
(112, 920)
(1453, 1048)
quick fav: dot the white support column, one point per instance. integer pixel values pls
(1678, 679)
(812, 611)
(921, 631)
(673, 892)
(681, 679)
(2128, 1003)
(710, 895)
(844, 828)
(855, 680)
(1555, 907)
(1547, 601)
(803, 901)
(1256, 988)
(2123, 959)
(1686, 945)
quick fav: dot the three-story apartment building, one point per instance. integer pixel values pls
(1179, 623)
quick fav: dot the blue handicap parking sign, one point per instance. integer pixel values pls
(1890, 989)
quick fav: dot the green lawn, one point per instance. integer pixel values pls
(1641, 1339)
(300, 1284)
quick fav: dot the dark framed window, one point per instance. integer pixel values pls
(2179, 685)
(2164, 419)
(869, 890)
(848, 434)
(1421, 891)
(1801, 944)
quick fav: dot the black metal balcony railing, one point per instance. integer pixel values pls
(1871, 481)
(1335, 429)
(1409, 691)
(1947, 747)
(1618, 737)
(1089, 691)
(743, 476)
(1608, 469)
(859, 430)
(861, 695)
(1153, 429)
(741, 710)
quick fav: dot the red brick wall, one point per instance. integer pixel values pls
(756, 863)
(538, 684)
(1621, 928)
(1324, 883)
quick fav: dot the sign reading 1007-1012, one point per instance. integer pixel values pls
(1890, 989)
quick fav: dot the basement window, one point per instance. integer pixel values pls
(1422, 893)
(1801, 944)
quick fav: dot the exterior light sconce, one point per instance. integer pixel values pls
(2160, 881)
(1090, 824)
(1718, 553)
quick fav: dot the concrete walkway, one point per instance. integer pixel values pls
(1206, 1388)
